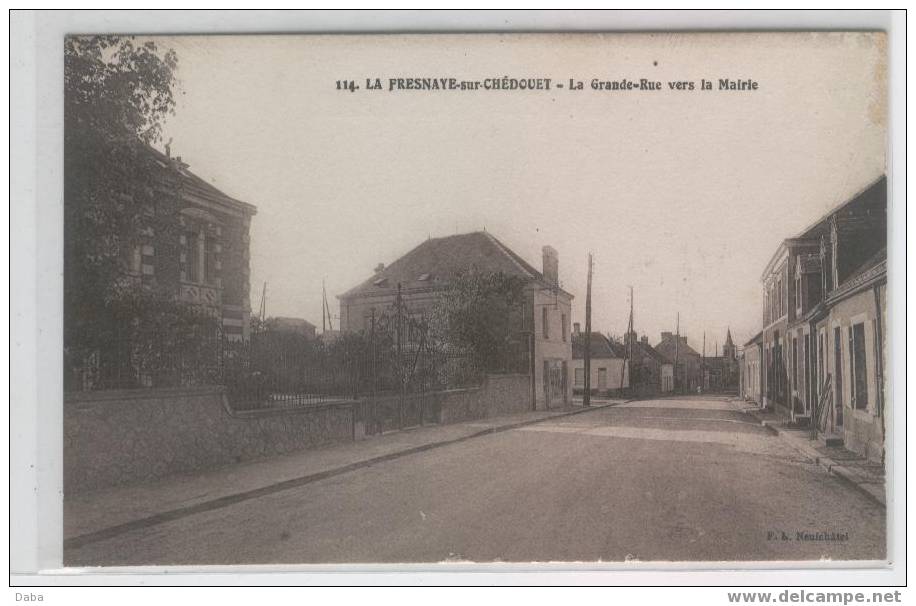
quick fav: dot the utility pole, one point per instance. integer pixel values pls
(587, 397)
(703, 373)
(399, 366)
(677, 344)
(631, 334)
(262, 312)
(326, 322)
(628, 342)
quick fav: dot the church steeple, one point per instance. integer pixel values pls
(728, 350)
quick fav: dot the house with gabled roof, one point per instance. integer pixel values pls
(608, 373)
(424, 274)
(689, 362)
(650, 371)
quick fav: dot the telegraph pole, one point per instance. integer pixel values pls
(262, 311)
(326, 322)
(677, 343)
(704, 361)
(629, 346)
(587, 397)
(400, 307)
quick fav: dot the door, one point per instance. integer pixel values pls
(837, 380)
(602, 379)
(554, 383)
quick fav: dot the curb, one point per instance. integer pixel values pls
(842, 472)
(232, 499)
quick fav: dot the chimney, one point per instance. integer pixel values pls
(379, 267)
(644, 340)
(666, 336)
(575, 328)
(551, 266)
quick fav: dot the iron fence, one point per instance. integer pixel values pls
(395, 365)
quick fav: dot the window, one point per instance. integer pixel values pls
(821, 351)
(780, 298)
(545, 322)
(563, 326)
(837, 369)
(806, 363)
(193, 239)
(209, 261)
(857, 370)
(798, 292)
(580, 377)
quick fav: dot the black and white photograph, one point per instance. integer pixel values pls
(460, 299)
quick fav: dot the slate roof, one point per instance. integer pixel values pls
(196, 186)
(666, 349)
(645, 350)
(601, 347)
(758, 338)
(437, 261)
(872, 262)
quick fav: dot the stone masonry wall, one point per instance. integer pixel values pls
(499, 395)
(117, 437)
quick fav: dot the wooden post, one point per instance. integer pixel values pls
(677, 343)
(399, 366)
(587, 397)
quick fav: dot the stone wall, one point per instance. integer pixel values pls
(123, 436)
(116, 437)
(499, 395)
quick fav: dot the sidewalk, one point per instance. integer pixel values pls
(864, 475)
(96, 515)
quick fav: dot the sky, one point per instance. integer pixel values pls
(683, 195)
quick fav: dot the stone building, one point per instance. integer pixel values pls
(608, 374)
(297, 326)
(722, 373)
(184, 241)
(650, 372)
(423, 276)
(824, 330)
(197, 247)
(751, 370)
(688, 372)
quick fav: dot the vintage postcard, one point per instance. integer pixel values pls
(440, 298)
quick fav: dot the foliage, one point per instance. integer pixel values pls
(116, 94)
(146, 339)
(482, 313)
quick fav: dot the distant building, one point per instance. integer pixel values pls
(648, 368)
(722, 373)
(689, 363)
(298, 326)
(751, 370)
(608, 373)
(424, 274)
(329, 336)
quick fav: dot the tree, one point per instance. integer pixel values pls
(116, 94)
(482, 314)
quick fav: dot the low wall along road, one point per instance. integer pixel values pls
(123, 436)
